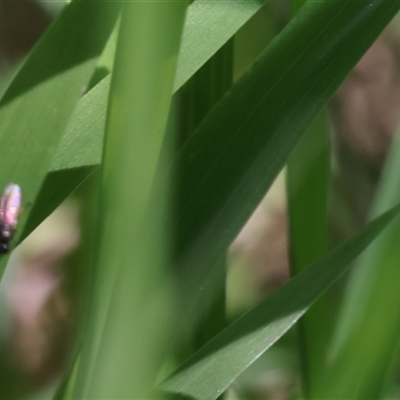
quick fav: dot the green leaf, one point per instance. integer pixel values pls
(370, 323)
(56, 187)
(81, 145)
(131, 304)
(196, 99)
(216, 20)
(214, 367)
(83, 141)
(36, 107)
(228, 164)
(307, 191)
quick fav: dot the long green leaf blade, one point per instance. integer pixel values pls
(214, 367)
(231, 160)
(229, 164)
(204, 20)
(81, 145)
(368, 332)
(35, 109)
(307, 191)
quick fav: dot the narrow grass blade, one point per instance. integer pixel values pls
(213, 368)
(307, 194)
(368, 332)
(307, 187)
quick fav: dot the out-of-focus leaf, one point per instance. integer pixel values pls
(131, 303)
(307, 190)
(368, 332)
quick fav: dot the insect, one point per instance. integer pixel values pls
(10, 205)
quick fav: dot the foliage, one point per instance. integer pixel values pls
(185, 154)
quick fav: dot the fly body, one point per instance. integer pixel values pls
(10, 205)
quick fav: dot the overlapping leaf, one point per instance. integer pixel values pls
(81, 145)
(370, 323)
(36, 107)
(229, 163)
(214, 367)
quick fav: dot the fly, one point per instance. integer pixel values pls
(10, 205)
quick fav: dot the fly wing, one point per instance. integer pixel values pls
(10, 204)
(3, 202)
